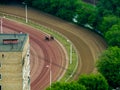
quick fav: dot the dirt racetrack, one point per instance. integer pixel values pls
(88, 44)
(42, 54)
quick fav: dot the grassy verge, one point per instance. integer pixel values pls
(70, 70)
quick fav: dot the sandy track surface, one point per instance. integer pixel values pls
(42, 53)
(88, 44)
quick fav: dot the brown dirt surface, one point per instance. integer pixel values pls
(42, 53)
(88, 44)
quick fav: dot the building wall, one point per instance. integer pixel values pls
(11, 70)
(15, 69)
(26, 66)
(26, 46)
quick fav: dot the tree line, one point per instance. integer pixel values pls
(104, 18)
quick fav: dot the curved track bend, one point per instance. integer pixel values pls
(42, 54)
(88, 44)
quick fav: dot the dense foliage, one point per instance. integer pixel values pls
(66, 86)
(113, 35)
(109, 65)
(109, 7)
(61, 8)
(85, 82)
(86, 14)
(93, 82)
(107, 22)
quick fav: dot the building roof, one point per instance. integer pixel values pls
(12, 42)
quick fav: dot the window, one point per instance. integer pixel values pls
(23, 61)
(2, 55)
(28, 80)
(0, 78)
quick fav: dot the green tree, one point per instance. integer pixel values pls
(85, 14)
(67, 9)
(107, 23)
(93, 18)
(109, 66)
(107, 7)
(93, 82)
(61, 8)
(43, 5)
(113, 35)
(66, 86)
